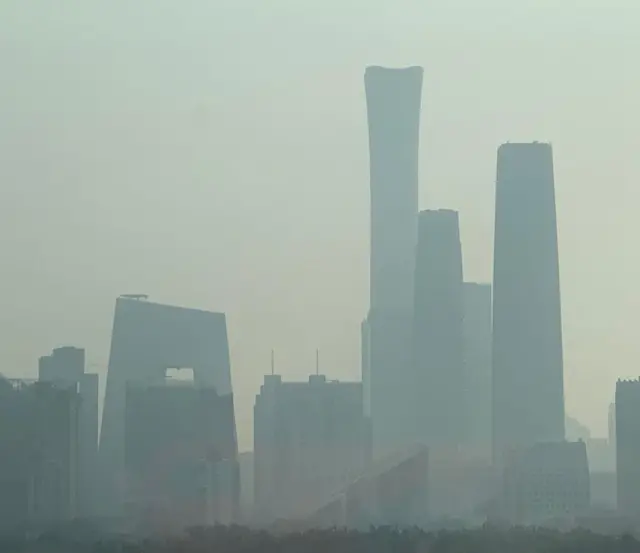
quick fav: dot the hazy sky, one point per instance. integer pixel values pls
(214, 154)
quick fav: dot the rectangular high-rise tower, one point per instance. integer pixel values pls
(528, 390)
(393, 111)
(438, 339)
(627, 438)
(310, 440)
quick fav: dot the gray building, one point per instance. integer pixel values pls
(65, 368)
(627, 428)
(148, 339)
(438, 339)
(393, 113)
(477, 360)
(39, 461)
(181, 466)
(546, 483)
(528, 390)
(310, 439)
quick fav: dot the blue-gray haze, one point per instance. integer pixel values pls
(214, 154)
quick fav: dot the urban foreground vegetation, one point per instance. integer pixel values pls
(380, 540)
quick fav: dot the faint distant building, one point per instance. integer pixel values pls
(245, 462)
(180, 455)
(392, 492)
(546, 482)
(575, 430)
(310, 439)
(627, 417)
(528, 390)
(477, 362)
(438, 339)
(65, 368)
(147, 340)
(39, 460)
(393, 112)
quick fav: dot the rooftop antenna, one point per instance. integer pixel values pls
(317, 362)
(273, 367)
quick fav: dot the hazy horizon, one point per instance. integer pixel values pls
(215, 156)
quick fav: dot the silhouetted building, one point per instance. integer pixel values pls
(180, 455)
(528, 391)
(477, 361)
(310, 439)
(65, 368)
(627, 417)
(147, 340)
(393, 110)
(438, 340)
(546, 482)
(38, 464)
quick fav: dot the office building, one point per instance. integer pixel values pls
(528, 390)
(310, 439)
(438, 337)
(39, 461)
(148, 340)
(477, 362)
(393, 113)
(546, 482)
(181, 465)
(627, 425)
(65, 368)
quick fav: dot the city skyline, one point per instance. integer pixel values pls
(86, 166)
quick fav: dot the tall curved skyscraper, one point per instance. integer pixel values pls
(528, 390)
(393, 111)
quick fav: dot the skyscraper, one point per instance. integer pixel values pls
(148, 339)
(393, 111)
(438, 339)
(65, 368)
(528, 390)
(627, 432)
(477, 363)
